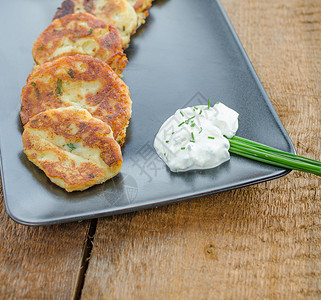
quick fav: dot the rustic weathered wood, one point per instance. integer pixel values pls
(258, 242)
(39, 262)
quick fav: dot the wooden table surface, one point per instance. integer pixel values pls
(262, 241)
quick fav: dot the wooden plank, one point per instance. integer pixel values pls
(262, 241)
(40, 262)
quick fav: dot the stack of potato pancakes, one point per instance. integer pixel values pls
(75, 108)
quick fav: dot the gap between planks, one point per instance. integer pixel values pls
(86, 253)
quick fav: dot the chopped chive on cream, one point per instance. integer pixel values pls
(200, 130)
(196, 107)
(183, 148)
(187, 121)
(181, 114)
(173, 132)
(192, 141)
(200, 112)
(193, 125)
(208, 103)
(166, 142)
(211, 137)
(192, 134)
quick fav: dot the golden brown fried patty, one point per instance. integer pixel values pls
(116, 12)
(80, 33)
(74, 149)
(141, 7)
(81, 81)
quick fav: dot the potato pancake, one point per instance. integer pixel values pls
(116, 12)
(81, 81)
(141, 7)
(74, 149)
(80, 33)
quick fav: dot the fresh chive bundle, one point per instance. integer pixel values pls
(272, 156)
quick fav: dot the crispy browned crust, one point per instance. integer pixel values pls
(110, 102)
(67, 7)
(74, 172)
(76, 30)
(117, 62)
(141, 7)
(116, 12)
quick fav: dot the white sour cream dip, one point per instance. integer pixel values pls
(195, 137)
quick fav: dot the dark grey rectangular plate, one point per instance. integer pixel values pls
(185, 53)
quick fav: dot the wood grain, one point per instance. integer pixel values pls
(262, 241)
(39, 262)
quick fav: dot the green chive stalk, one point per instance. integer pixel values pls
(272, 156)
